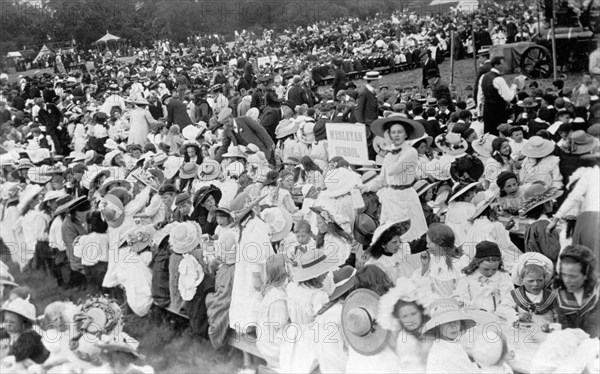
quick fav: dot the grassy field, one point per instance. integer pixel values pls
(166, 343)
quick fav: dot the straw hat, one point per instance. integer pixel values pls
(466, 169)
(185, 237)
(24, 163)
(171, 166)
(339, 182)
(113, 180)
(285, 128)
(242, 205)
(120, 347)
(235, 169)
(372, 76)
(364, 227)
(112, 210)
(138, 238)
(92, 174)
(39, 175)
(234, 151)
(188, 170)
(312, 264)
(344, 280)
(422, 185)
(428, 139)
(407, 290)
(580, 143)
(451, 143)
(29, 193)
(137, 100)
(381, 125)
(483, 145)
(369, 176)
(403, 226)
(306, 133)
(280, 222)
(537, 147)
(21, 307)
(482, 201)
(537, 194)
(110, 156)
(359, 324)
(447, 310)
(528, 102)
(209, 170)
(191, 133)
(534, 258)
(461, 189)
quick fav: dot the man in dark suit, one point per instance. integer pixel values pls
(272, 115)
(339, 78)
(439, 90)
(243, 131)
(176, 112)
(249, 73)
(367, 108)
(297, 93)
(428, 64)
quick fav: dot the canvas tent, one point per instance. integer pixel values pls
(14, 54)
(108, 38)
(43, 52)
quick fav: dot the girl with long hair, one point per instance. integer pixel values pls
(336, 242)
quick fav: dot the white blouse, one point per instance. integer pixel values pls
(546, 170)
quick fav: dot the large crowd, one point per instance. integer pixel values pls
(209, 190)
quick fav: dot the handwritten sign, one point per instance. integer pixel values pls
(348, 140)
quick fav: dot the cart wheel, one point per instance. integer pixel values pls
(536, 62)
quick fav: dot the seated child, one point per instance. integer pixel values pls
(487, 285)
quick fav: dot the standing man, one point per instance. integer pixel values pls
(428, 65)
(439, 89)
(339, 79)
(366, 106)
(495, 94)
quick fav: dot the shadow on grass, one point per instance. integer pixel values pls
(165, 340)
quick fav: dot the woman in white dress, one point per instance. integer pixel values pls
(140, 122)
(398, 197)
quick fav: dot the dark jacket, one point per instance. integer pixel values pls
(572, 315)
(298, 95)
(248, 132)
(366, 107)
(270, 119)
(441, 91)
(177, 114)
(339, 81)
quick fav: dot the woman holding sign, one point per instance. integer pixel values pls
(398, 197)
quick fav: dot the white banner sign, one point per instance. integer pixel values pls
(348, 140)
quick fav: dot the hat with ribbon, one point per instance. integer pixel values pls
(483, 145)
(285, 128)
(537, 194)
(185, 237)
(188, 170)
(112, 210)
(451, 143)
(280, 222)
(421, 186)
(209, 170)
(359, 323)
(306, 133)
(580, 142)
(538, 147)
(447, 310)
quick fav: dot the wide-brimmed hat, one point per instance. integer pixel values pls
(466, 169)
(580, 143)
(372, 76)
(537, 147)
(369, 176)
(460, 189)
(339, 182)
(364, 227)
(537, 194)
(204, 192)
(312, 264)
(113, 180)
(489, 349)
(428, 139)
(344, 280)
(112, 210)
(24, 163)
(234, 151)
(285, 128)
(39, 174)
(534, 258)
(447, 310)
(185, 237)
(422, 185)
(188, 170)
(137, 100)
(306, 133)
(92, 174)
(80, 204)
(280, 222)
(403, 226)
(138, 238)
(75, 156)
(451, 143)
(528, 102)
(171, 166)
(21, 307)
(406, 290)
(110, 156)
(359, 323)
(482, 201)
(381, 125)
(242, 204)
(483, 145)
(209, 170)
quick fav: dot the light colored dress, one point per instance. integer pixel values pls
(449, 357)
(479, 292)
(7, 226)
(484, 229)
(400, 264)
(271, 336)
(298, 351)
(546, 170)
(441, 278)
(331, 350)
(253, 250)
(140, 123)
(385, 361)
(398, 204)
(457, 218)
(30, 229)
